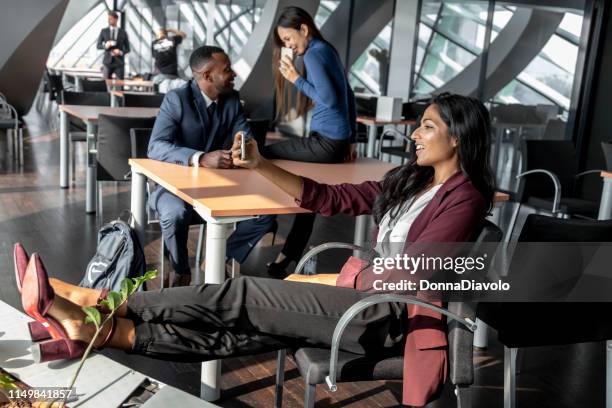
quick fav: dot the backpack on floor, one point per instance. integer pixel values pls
(119, 255)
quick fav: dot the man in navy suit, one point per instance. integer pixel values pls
(196, 127)
(114, 41)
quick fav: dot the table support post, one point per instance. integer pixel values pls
(91, 185)
(372, 133)
(64, 149)
(216, 242)
(138, 204)
(361, 231)
(609, 374)
(605, 207)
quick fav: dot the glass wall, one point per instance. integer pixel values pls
(78, 47)
(531, 65)
(234, 22)
(370, 71)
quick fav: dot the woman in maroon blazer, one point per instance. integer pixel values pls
(447, 188)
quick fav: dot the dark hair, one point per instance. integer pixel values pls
(467, 120)
(291, 17)
(113, 14)
(200, 56)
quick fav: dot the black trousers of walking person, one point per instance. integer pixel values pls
(312, 149)
(250, 315)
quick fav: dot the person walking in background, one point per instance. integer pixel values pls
(163, 50)
(114, 41)
(333, 124)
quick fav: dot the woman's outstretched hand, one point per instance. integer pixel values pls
(253, 158)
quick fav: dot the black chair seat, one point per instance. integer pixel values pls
(546, 324)
(78, 136)
(567, 205)
(313, 364)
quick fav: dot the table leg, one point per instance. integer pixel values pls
(138, 204)
(78, 83)
(91, 186)
(216, 242)
(372, 133)
(64, 149)
(605, 206)
(481, 334)
(361, 232)
(113, 101)
(609, 374)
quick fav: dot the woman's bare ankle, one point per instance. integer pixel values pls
(76, 294)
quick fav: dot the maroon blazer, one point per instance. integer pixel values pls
(454, 214)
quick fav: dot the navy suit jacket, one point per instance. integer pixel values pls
(123, 44)
(183, 126)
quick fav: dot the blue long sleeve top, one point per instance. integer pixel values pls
(334, 112)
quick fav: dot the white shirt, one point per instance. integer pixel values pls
(396, 230)
(194, 160)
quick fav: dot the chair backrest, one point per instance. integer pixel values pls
(515, 114)
(460, 339)
(86, 98)
(55, 85)
(259, 130)
(557, 156)
(143, 101)
(548, 271)
(114, 145)
(555, 129)
(607, 151)
(94, 85)
(139, 141)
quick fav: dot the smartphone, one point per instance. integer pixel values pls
(243, 142)
(287, 52)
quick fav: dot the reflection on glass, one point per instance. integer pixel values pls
(326, 8)
(451, 36)
(77, 48)
(370, 71)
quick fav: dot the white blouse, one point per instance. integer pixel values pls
(396, 230)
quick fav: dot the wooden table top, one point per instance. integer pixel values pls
(368, 120)
(86, 74)
(242, 192)
(501, 197)
(606, 174)
(90, 113)
(120, 94)
(129, 82)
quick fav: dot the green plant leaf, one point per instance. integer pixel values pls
(150, 275)
(127, 288)
(114, 300)
(92, 315)
(7, 382)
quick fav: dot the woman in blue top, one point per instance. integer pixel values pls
(323, 83)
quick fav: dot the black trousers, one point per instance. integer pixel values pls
(117, 69)
(312, 149)
(250, 315)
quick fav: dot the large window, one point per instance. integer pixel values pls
(370, 71)
(452, 36)
(234, 21)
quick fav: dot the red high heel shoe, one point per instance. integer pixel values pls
(38, 332)
(20, 260)
(37, 297)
